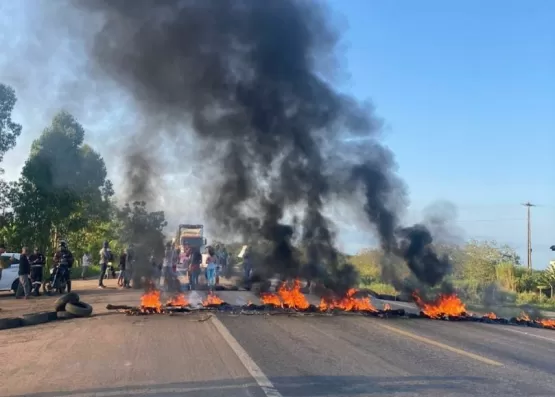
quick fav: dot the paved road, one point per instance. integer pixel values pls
(198, 355)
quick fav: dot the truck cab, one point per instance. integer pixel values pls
(191, 235)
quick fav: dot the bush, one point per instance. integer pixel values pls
(548, 304)
(524, 298)
(508, 297)
(381, 288)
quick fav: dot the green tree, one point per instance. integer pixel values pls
(548, 276)
(142, 227)
(528, 281)
(9, 130)
(505, 274)
(368, 264)
(63, 187)
(479, 261)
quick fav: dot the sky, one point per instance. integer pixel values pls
(466, 90)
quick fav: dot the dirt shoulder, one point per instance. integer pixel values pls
(87, 290)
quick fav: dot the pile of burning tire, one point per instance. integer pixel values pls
(65, 307)
(289, 300)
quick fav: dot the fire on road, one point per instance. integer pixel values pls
(233, 355)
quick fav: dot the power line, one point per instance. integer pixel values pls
(491, 220)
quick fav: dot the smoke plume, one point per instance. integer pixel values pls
(252, 80)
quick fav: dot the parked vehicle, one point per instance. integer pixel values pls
(9, 280)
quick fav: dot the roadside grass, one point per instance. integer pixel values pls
(511, 311)
(380, 288)
(92, 271)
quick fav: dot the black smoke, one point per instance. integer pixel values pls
(253, 80)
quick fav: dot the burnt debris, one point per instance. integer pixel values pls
(312, 310)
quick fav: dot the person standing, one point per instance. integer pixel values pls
(24, 272)
(129, 259)
(247, 264)
(194, 268)
(122, 266)
(37, 262)
(85, 263)
(105, 258)
(211, 268)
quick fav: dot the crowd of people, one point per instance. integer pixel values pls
(211, 265)
(199, 268)
(31, 268)
(186, 260)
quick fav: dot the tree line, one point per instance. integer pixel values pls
(482, 272)
(64, 192)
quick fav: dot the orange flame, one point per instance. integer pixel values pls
(549, 323)
(151, 300)
(287, 296)
(443, 305)
(387, 306)
(491, 316)
(348, 303)
(270, 299)
(178, 300)
(212, 299)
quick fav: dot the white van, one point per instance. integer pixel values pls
(9, 278)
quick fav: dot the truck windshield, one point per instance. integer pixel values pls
(192, 241)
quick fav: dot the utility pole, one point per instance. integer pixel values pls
(529, 205)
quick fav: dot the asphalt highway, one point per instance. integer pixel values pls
(224, 355)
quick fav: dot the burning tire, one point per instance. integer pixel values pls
(79, 309)
(36, 318)
(61, 302)
(10, 322)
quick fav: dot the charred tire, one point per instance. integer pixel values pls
(61, 302)
(35, 318)
(79, 309)
(52, 316)
(63, 315)
(15, 286)
(10, 322)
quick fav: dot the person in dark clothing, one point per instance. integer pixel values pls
(64, 259)
(194, 268)
(122, 262)
(130, 258)
(247, 264)
(24, 272)
(37, 262)
(105, 258)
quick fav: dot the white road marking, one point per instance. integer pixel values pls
(530, 334)
(254, 370)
